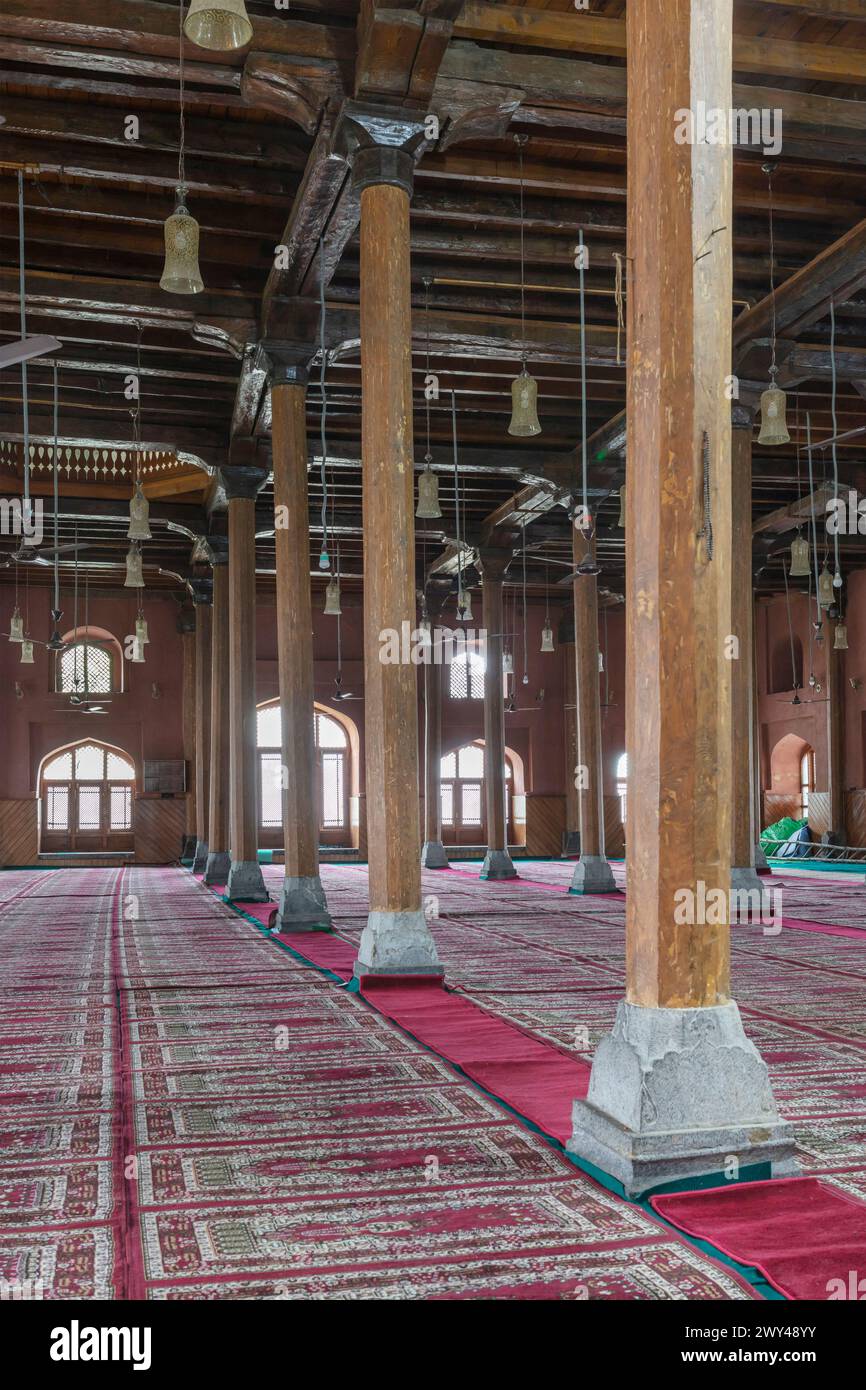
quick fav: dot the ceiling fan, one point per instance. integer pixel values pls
(27, 348)
(340, 693)
(28, 555)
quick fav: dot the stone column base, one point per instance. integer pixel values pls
(219, 863)
(497, 864)
(593, 874)
(200, 857)
(761, 863)
(187, 849)
(245, 883)
(302, 906)
(397, 943)
(433, 855)
(570, 843)
(677, 1094)
(745, 880)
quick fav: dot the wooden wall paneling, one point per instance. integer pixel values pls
(19, 831)
(159, 825)
(545, 823)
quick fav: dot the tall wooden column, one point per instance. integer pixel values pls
(592, 873)
(835, 736)
(219, 858)
(497, 862)
(677, 1088)
(302, 899)
(743, 832)
(245, 882)
(571, 841)
(201, 592)
(397, 938)
(433, 854)
(186, 628)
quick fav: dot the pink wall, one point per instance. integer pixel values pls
(34, 725)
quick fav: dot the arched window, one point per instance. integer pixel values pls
(807, 780)
(85, 667)
(464, 815)
(86, 794)
(467, 677)
(332, 765)
(622, 784)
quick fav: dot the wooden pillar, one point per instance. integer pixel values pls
(743, 831)
(397, 938)
(433, 854)
(835, 736)
(497, 862)
(219, 858)
(592, 873)
(245, 882)
(677, 1088)
(302, 899)
(202, 601)
(761, 864)
(571, 845)
(186, 628)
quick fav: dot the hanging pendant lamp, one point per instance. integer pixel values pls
(139, 513)
(428, 508)
(181, 273)
(840, 640)
(507, 664)
(524, 406)
(464, 610)
(55, 642)
(141, 631)
(601, 663)
(16, 627)
(547, 638)
(27, 652)
(134, 577)
(524, 389)
(137, 654)
(220, 25)
(800, 558)
(332, 599)
(826, 596)
(774, 402)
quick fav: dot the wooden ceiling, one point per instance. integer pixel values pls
(262, 171)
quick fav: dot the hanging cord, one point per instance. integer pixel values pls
(27, 603)
(86, 626)
(770, 171)
(25, 405)
(181, 153)
(619, 300)
(457, 502)
(820, 622)
(324, 559)
(583, 436)
(428, 458)
(837, 577)
(706, 531)
(794, 685)
(136, 414)
(75, 611)
(56, 481)
(521, 141)
(525, 646)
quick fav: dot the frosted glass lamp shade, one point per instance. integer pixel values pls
(840, 640)
(137, 654)
(428, 496)
(181, 274)
(332, 599)
(27, 651)
(139, 513)
(16, 627)
(547, 638)
(774, 405)
(800, 558)
(826, 597)
(507, 664)
(524, 406)
(141, 631)
(465, 613)
(134, 576)
(219, 25)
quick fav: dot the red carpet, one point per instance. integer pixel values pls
(530, 1076)
(801, 1233)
